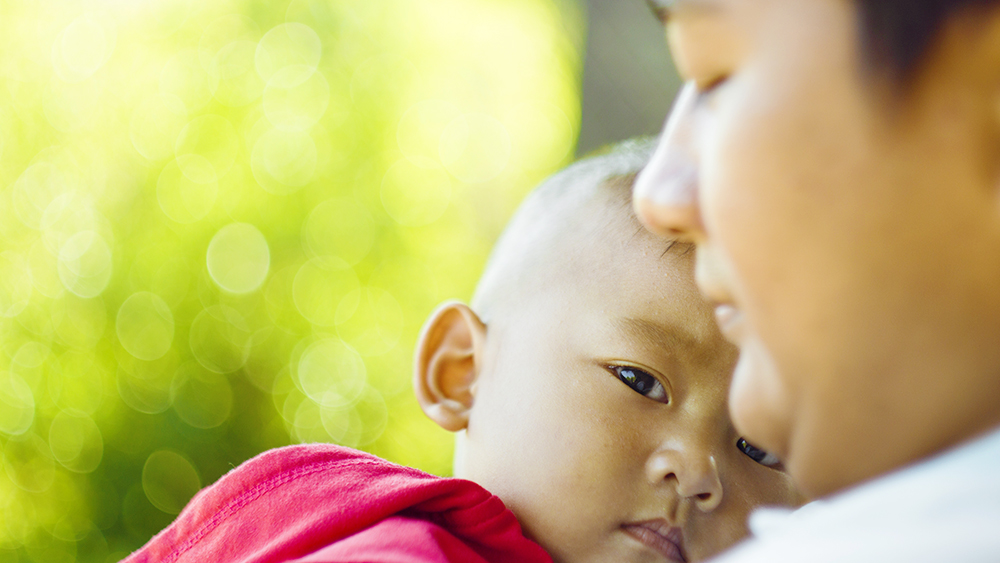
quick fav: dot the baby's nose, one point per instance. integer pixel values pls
(694, 475)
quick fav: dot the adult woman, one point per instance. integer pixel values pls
(836, 164)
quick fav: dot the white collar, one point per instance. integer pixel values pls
(968, 472)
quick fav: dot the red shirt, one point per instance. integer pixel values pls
(320, 503)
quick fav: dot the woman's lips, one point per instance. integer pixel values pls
(730, 321)
(660, 536)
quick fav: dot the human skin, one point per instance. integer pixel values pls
(847, 226)
(582, 458)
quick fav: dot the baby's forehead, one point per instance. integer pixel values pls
(572, 239)
(605, 277)
(577, 219)
(576, 204)
(595, 213)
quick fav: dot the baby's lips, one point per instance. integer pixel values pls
(659, 536)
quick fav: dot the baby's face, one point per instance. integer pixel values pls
(600, 413)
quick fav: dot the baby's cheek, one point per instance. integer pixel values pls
(575, 495)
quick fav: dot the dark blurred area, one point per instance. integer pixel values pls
(628, 79)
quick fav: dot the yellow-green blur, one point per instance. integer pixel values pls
(222, 224)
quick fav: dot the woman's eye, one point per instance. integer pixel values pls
(641, 382)
(757, 454)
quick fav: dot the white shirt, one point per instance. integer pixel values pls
(944, 509)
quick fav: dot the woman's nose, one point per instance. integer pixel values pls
(665, 195)
(693, 473)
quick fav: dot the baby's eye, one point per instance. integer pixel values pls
(641, 382)
(757, 454)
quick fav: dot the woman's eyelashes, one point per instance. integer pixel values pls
(757, 454)
(641, 382)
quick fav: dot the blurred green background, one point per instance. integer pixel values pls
(223, 223)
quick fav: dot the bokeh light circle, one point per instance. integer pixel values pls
(85, 264)
(240, 85)
(206, 148)
(314, 13)
(475, 148)
(183, 76)
(156, 123)
(359, 424)
(375, 325)
(306, 423)
(284, 161)
(320, 286)
(238, 258)
(145, 385)
(295, 98)
(172, 280)
(339, 228)
(17, 404)
(44, 268)
(19, 521)
(279, 303)
(15, 284)
(165, 18)
(83, 384)
(60, 545)
(285, 45)
(68, 215)
(28, 463)
(75, 107)
(331, 373)
(169, 480)
(415, 193)
(221, 46)
(148, 390)
(185, 200)
(145, 326)
(30, 361)
(381, 78)
(82, 48)
(76, 442)
(201, 398)
(37, 187)
(419, 131)
(227, 49)
(79, 323)
(220, 339)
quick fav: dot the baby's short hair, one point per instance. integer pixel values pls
(543, 226)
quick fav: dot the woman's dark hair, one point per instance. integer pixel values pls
(896, 34)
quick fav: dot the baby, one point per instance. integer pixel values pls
(587, 384)
(589, 381)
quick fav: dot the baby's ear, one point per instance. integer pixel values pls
(447, 364)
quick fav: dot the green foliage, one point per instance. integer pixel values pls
(223, 223)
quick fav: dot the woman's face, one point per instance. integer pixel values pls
(848, 233)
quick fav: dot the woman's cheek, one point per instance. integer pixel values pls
(758, 400)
